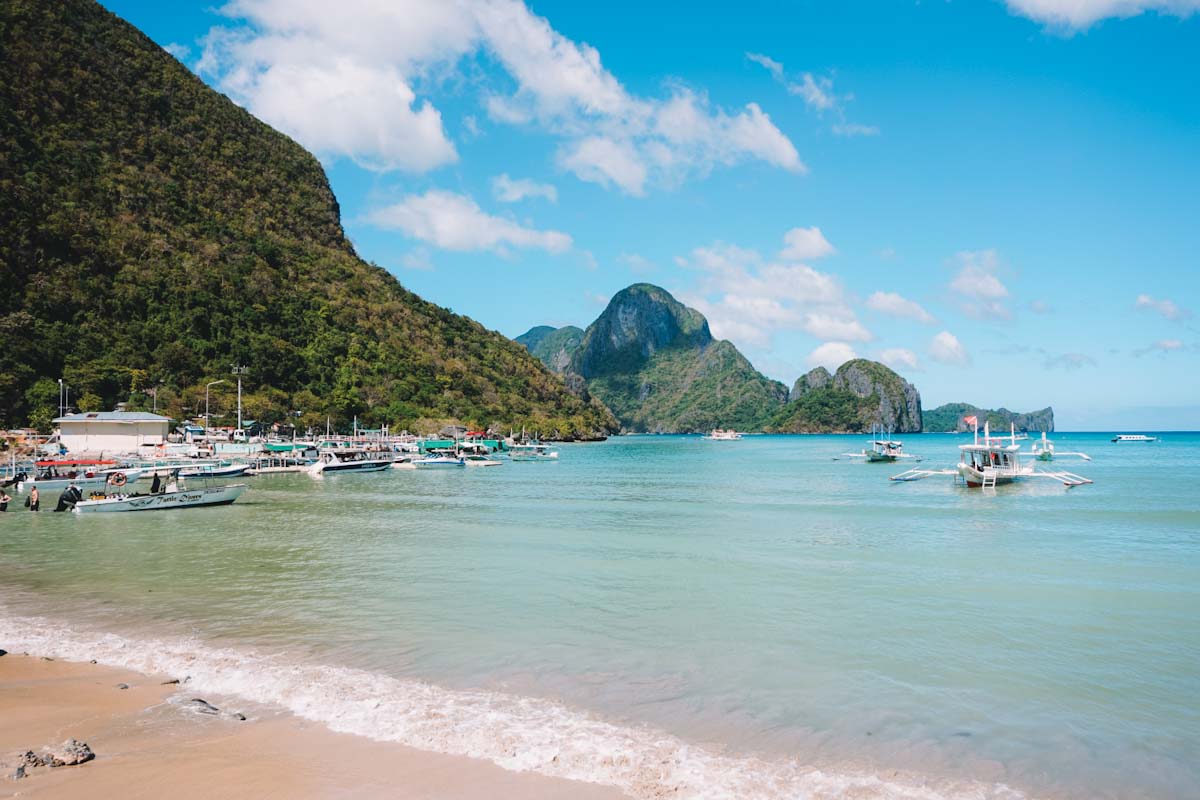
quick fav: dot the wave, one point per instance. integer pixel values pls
(514, 732)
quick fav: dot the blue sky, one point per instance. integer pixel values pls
(999, 198)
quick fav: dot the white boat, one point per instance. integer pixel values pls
(476, 460)
(178, 498)
(1134, 437)
(1044, 451)
(338, 460)
(721, 435)
(57, 475)
(992, 461)
(215, 471)
(532, 451)
(882, 448)
(439, 460)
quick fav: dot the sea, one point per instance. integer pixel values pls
(764, 618)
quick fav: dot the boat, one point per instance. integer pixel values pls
(438, 459)
(87, 474)
(722, 435)
(882, 448)
(339, 460)
(477, 460)
(170, 499)
(1134, 437)
(532, 451)
(992, 461)
(215, 471)
(1044, 451)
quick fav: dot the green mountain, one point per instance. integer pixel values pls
(859, 395)
(153, 232)
(655, 364)
(552, 346)
(950, 418)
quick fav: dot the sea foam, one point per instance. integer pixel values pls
(514, 732)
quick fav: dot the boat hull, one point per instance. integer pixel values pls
(352, 466)
(184, 498)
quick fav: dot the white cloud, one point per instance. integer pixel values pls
(1166, 307)
(977, 282)
(835, 326)
(1080, 14)
(801, 244)
(358, 82)
(1161, 346)
(855, 129)
(455, 222)
(946, 349)
(1070, 361)
(818, 94)
(900, 358)
(417, 259)
(831, 355)
(180, 51)
(512, 190)
(898, 306)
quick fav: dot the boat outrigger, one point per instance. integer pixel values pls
(991, 462)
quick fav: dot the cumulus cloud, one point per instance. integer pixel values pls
(513, 190)
(1070, 361)
(817, 93)
(747, 298)
(359, 83)
(900, 358)
(1074, 15)
(455, 222)
(898, 306)
(831, 355)
(1161, 346)
(947, 349)
(1167, 308)
(180, 51)
(802, 244)
(976, 282)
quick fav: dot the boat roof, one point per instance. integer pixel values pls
(74, 462)
(113, 416)
(992, 445)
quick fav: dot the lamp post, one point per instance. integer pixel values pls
(206, 388)
(239, 371)
(60, 397)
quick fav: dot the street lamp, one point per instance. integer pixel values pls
(206, 387)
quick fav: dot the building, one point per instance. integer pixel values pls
(112, 431)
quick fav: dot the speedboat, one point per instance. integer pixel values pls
(1134, 437)
(476, 460)
(172, 498)
(438, 460)
(339, 460)
(215, 471)
(532, 451)
(721, 435)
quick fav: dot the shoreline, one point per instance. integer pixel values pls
(151, 740)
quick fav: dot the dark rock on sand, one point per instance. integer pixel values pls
(3, 652)
(47, 658)
(204, 707)
(70, 753)
(18, 773)
(170, 682)
(122, 685)
(238, 716)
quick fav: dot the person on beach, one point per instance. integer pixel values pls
(34, 501)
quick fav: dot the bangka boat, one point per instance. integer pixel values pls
(532, 451)
(87, 474)
(882, 448)
(1134, 437)
(178, 498)
(991, 462)
(1044, 451)
(348, 460)
(722, 435)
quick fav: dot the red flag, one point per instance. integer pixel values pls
(971, 421)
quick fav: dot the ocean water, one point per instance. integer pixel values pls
(752, 619)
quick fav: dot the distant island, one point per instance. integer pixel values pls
(952, 417)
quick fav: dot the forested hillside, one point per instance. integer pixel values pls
(153, 234)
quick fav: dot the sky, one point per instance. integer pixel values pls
(998, 198)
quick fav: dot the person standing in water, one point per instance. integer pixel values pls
(4, 501)
(35, 500)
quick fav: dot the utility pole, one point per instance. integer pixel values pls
(239, 371)
(60, 397)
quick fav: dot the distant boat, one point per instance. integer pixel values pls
(215, 471)
(883, 448)
(56, 475)
(721, 435)
(439, 461)
(1134, 437)
(1044, 451)
(179, 498)
(476, 460)
(532, 451)
(339, 460)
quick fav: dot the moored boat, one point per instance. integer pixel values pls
(86, 474)
(171, 499)
(722, 435)
(338, 460)
(439, 460)
(532, 451)
(1134, 437)
(215, 471)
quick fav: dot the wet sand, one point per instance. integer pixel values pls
(150, 744)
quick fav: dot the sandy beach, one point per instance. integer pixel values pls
(150, 742)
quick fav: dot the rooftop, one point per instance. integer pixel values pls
(113, 416)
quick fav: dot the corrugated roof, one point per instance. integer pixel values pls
(113, 416)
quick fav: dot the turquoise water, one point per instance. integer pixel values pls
(777, 621)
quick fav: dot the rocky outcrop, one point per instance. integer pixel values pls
(859, 395)
(952, 417)
(654, 363)
(554, 347)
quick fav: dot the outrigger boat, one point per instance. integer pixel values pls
(532, 451)
(177, 497)
(991, 462)
(1044, 451)
(883, 448)
(338, 460)
(722, 435)
(56, 475)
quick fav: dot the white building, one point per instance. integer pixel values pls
(112, 431)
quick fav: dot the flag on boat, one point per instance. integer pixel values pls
(971, 420)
